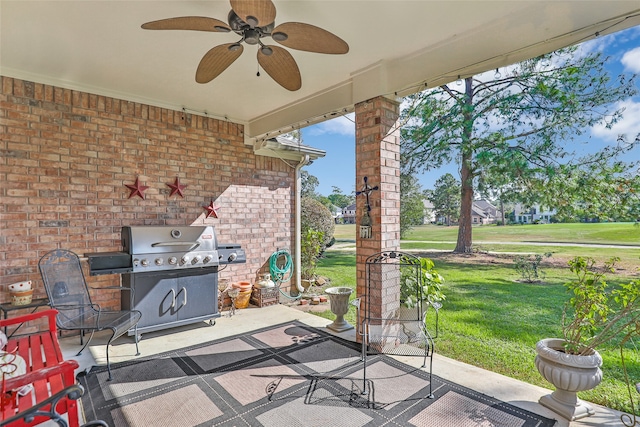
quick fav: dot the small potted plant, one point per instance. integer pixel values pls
(431, 292)
(595, 314)
(421, 296)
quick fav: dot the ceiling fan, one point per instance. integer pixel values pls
(254, 20)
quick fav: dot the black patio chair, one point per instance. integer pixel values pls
(67, 290)
(401, 324)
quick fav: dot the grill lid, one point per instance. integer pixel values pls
(138, 240)
(166, 248)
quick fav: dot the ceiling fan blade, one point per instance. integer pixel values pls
(214, 62)
(194, 23)
(256, 13)
(309, 38)
(282, 68)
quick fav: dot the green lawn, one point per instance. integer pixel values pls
(621, 233)
(492, 320)
(345, 232)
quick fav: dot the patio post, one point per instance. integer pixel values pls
(378, 159)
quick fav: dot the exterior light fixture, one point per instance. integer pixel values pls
(279, 36)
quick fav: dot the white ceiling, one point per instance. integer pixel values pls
(396, 47)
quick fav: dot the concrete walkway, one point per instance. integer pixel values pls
(507, 389)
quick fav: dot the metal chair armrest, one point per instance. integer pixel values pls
(436, 308)
(62, 307)
(72, 392)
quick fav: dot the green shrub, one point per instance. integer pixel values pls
(309, 250)
(316, 217)
(529, 267)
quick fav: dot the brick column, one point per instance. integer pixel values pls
(378, 158)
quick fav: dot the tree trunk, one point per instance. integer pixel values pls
(464, 243)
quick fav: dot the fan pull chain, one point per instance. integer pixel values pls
(258, 72)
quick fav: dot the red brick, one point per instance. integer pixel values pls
(109, 142)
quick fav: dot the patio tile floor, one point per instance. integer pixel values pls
(507, 389)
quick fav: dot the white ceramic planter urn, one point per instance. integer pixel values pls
(339, 300)
(569, 374)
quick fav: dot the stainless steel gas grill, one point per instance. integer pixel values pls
(172, 271)
(170, 248)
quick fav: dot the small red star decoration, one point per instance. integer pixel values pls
(177, 188)
(137, 189)
(212, 210)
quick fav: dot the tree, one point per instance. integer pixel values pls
(411, 203)
(340, 200)
(308, 185)
(446, 197)
(596, 191)
(515, 126)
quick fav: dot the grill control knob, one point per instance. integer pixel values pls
(196, 259)
(159, 261)
(184, 260)
(207, 259)
(144, 262)
(173, 260)
(136, 262)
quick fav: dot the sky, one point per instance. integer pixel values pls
(337, 136)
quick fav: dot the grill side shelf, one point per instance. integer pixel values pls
(109, 263)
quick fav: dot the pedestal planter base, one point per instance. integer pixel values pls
(339, 300)
(340, 326)
(567, 405)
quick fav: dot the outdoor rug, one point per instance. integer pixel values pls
(286, 375)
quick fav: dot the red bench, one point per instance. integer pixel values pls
(47, 371)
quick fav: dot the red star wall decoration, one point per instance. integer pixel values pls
(177, 188)
(212, 210)
(137, 189)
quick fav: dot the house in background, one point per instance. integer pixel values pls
(484, 212)
(478, 216)
(429, 212)
(336, 213)
(533, 214)
(349, 214)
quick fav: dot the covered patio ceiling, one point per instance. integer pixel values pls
(396, 47)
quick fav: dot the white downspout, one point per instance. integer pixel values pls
(298, 258)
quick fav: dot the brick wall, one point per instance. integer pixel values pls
(378, 158)
(66, 156)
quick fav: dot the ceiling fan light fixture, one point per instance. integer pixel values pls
(279, 36)
(251, 37)
(252, 21)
